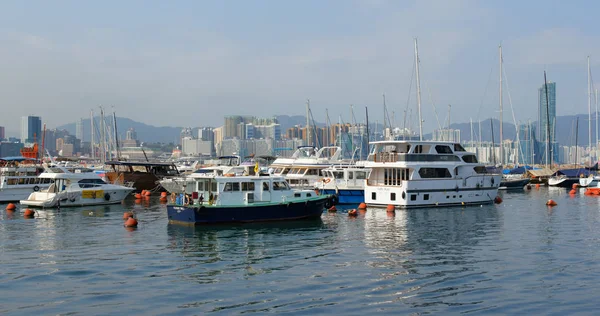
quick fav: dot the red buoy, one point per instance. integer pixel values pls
(551, 203)
(575, 186)
(28, 213)
(11, 207)
(131, 222)
(572, 192)
(332, 209)
(147, 193)
(390, 208)
(163, 199)
(537, 185)
(497, 200)
(362, 205)
(138, 196)
(352, 212)
(127, 215)
(163, 194)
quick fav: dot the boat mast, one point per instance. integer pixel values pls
(493, 145)
(576, 138)
(384, 115)
(307, 123)
(368, 135)
(501, 113)
(589, 109)
(116, 137)
(547, 122)
(418, 90)
(92, 151)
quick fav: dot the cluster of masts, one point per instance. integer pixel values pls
(108, 142)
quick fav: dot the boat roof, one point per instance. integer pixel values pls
(141, 163)
(416, 142)
(57, 173)
(17, 158)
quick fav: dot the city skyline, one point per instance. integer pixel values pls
(211, 59)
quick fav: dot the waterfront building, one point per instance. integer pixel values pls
(250, 127)
(31, 129)
(197, 147)
(547, 122)
(447, 135)
(527, 141)
(2, 135)
(79, 129)
(10, 149)
(131, 139)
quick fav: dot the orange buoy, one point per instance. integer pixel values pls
(138, 201)
(131, 222)
(497, 200)
(163, 194)
(332, 209)
(11, 207)
(163, 199)
(575, 186)
(352, 212)
(537, 185)
(28, 213)
(138, 196)
(573, 192)
(127, 215)
(390, 208)
(551, 203)
(362, 205)
(147, 193)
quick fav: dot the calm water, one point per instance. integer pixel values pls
(514, 258)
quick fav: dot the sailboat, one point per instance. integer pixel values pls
(566, 178)
(592, 180)
(507, 183)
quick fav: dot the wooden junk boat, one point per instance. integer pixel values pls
(141, 175)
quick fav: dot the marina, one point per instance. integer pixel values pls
(509, 258)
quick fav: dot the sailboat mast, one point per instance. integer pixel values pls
(368, 135)
(589, 109)
(116, 136)
(501, 113)
(493, 145)
(307, 122)
(92, 151)
(384, 114)
(418, 90)
(547, 122)
(576, 138)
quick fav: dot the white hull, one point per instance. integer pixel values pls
(75, 198)
(439, 192)
(17, 193)
(591, 182)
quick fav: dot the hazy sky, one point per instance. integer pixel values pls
(189, 63)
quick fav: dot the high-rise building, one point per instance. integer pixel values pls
(31, 129)
(79, 129)
(526, 149)
(547, 123)
(131, 134)
(249, 127)
(2, 136)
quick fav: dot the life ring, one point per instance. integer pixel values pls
(107, 196)
(326, 180)
(36, 188)
(173, 197)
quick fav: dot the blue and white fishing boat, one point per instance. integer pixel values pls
(229, 199)
(346, 182)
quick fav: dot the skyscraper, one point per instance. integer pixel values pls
(547, 123)
(2, 136)
(31, 129)
(79, 129)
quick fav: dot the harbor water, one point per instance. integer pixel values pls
(518, 257)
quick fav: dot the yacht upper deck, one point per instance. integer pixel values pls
(419, 151)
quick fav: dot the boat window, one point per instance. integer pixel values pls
(422, 149)
(393, 196)
(265, 186)
(213, 186)
(443, 149)
(361, 174)
(313, 172)
(480, 169)
(338, 174)
(90, 183)
(22, 181)
(232, 186)
(350, 175)
(11, 181)
(434, 173)
(200, 186)
(247, 186)
(308, 194)
(280, 186)
(458, 147)
(297, 195)
(469, 158)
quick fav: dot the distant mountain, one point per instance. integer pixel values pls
(145, 133)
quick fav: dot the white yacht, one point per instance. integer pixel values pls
(19, 178)
(411, 174)
(304, 168)
(76, 189)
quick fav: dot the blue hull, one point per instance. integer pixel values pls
(347, 196)
(199, 215)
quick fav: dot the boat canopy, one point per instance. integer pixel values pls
(17, 158)
(576, 172)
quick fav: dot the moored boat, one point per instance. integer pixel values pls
(513, 183)
(19, 178)
(75, 189)
(346, 182)
(222, 199)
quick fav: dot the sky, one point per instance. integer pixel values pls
(189, 63)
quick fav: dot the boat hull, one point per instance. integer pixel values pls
(563, 183)
(346, 196)
(513, 184)
(19, 193)
(45, 200)
(205, 214)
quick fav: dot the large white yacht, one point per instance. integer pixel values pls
(19, 178)
(304, 168)
(76, 189)
(411, 174)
